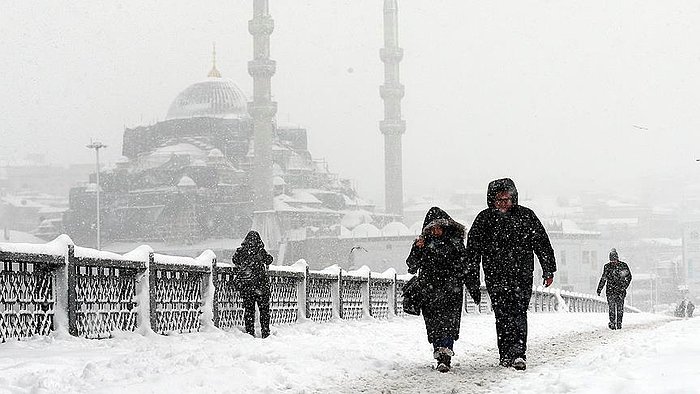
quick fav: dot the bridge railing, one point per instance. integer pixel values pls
(91, 294)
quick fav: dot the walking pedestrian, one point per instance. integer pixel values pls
(617, 277)
(504, 238)
(438, 257)
(250, 265)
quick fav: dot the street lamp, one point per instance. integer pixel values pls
(96, 145)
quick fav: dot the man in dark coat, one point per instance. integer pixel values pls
(689, 309)
(250, 264)
(503, 238)
(618, 276)
(439, 255)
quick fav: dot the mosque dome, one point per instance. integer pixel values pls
(214, 97)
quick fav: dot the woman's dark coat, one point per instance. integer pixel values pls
(504, 243)
(441, 262)
(250, 262)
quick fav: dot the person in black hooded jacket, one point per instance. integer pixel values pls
(618, 277)
(503, 238)
(438, 255)
(250, 264)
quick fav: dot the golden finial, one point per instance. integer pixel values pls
(214, 73)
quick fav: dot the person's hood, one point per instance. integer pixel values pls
(438, 217)
(501, 185)
(252, 241)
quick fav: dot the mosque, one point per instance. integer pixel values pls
(219, 165)
(187, 178)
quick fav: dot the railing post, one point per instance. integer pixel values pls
(207, 292)
(485, 299)
(391, 297)
(366, 296)
(143, 301)
(550, 302)
(72, 302)
(152, 288)
(215, 283)
(60, 317)
(340, 293)
(303, 296)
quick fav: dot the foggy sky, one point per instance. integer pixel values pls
(559, 95)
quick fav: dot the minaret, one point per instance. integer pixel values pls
(214, 73)
(262, 109)
(392, 126)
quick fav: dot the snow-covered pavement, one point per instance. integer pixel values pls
(568, 353)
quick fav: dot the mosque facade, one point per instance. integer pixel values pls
(189, 177)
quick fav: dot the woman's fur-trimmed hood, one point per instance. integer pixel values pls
(438, 217)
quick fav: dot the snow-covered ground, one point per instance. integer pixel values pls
(568, 353)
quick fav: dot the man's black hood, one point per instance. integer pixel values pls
(501, 185)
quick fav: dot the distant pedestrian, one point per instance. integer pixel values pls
(250, 265)
(617, 276)
(438, 256)
(503, 238)
(685, 308)
(689, 309)
(680, 309)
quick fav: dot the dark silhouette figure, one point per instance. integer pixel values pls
(689, 309)
(503, 238)
(250, 264)
(685, 308)
(617, 276)
(439, 254)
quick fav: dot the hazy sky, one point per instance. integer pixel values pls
(558, 95)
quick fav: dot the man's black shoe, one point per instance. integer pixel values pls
(506, 362)
(519, 364)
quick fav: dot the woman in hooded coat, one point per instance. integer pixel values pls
(439, 254)
(250, 264)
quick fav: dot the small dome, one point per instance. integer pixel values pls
(396, 229)
(353, 219)
(366, 230)
(214, 97)
(215, 153)
(186, 181)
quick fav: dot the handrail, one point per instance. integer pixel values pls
(98, 293)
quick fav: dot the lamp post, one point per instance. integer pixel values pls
(96, 145)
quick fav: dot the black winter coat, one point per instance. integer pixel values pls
(618, 276)
(250, 264)
(505, 242)
(441, 262)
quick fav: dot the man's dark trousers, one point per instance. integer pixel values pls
(510, 309)
(616, 303)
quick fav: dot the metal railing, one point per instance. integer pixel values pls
(92, 294)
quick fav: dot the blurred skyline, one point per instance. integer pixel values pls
(560, 96)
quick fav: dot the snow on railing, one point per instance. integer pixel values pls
(88, 293)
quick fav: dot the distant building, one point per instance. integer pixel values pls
(580, 256)
(33, 192)
(188, 178)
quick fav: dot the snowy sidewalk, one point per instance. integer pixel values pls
(568, 352)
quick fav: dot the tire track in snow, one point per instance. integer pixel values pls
(476, 372)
